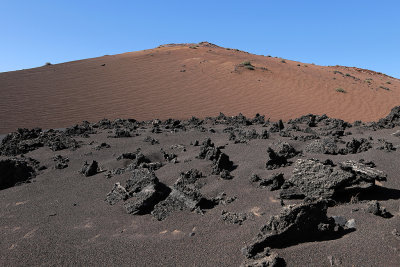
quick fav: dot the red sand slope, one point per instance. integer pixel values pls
(178, 81)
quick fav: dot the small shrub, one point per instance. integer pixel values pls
(48, 64)
(193, 47)
(298, 65)
(384, 88)
(247, 64)
(368, 80)
(388, 82)
(337, 72)
(340, 90)
(283, 61)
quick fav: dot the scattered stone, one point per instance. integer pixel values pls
(254, 178)
(90, 169)
(61, 162)
(184, 196)
(340, 220)
(375, 208)
(390, 121)
(116, 194)
(356, 146)
(396, 133)
(286, 150)
(102, 145)
(264, 259)
(333, 261)
(295, 224)
(120, 133)
(140, 179)
(313, 179)
(226, 175)
(223, 199)
(140, 194)
(396, 234)
(151, 140)
(169, 156)
(322, 146)
(235, 217)
(15, 171)
(139, 160)
(195, 143)
(220, 160)
(25, 140)
(385, 145)
(82, 130)
(277, 127)
(275, 160)
(274, 182)
(364, 171)
(144, 201)
(351, 224)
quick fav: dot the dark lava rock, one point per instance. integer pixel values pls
(323, 146)
(83, 130)
(169, 156)
(90, 169)
(356, 146)
(15, 171)
(140, 179)
(235, 217)
(144, 201)
(151, 140)
(223, 199)
(390, 121)
(21, 142)
(61, 162)
(275, 160)
(24, 140)
(277, 127)
(116, 194)
(241, 136)
(265, 259)
(220, 160)
(222, 164)
(385, 145)
(258, 119)
(184, 196)
(191, 176)
(120, 133)
(363, 171)
(286, 150)
(314, 180)
(295, 224)
(102, 145)
(239, 120)
(375, 208)
(274, 182)
(226, 175)
(140, 194)
(139, 160)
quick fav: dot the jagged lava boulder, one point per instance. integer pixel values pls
(313, 179)
(294, 224)
(14, 171)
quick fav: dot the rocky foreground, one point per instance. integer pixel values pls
(313, 191)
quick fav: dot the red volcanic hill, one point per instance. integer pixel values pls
(184, 80)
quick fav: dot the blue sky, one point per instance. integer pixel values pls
(353, 33)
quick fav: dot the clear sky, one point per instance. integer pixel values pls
(361, 33)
